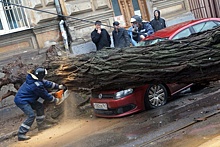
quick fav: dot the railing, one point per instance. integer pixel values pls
(12, 18)
(205, 8)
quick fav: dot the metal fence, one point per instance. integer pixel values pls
(13, 17)
(205, 8)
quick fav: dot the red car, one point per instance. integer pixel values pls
(181, 30)
(118, 103)
(125, 102)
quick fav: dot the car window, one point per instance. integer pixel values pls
(204, 26)
(217, 22)
(184, 33)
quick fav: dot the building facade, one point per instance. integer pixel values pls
(205, 8)
(36, 25)
(173, 11)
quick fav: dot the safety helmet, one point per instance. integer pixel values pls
(136, 18)
(40, 73)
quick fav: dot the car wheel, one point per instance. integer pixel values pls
(155, 96)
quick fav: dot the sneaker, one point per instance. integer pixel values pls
(22, 137)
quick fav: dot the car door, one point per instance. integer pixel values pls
(176, 87)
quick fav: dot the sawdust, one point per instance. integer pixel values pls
(72, 117)
(71, 109)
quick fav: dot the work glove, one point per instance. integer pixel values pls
(62, 87)
(56, 101)
(142, 36)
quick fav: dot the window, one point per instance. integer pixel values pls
(217, 22)
(12, 18)
(1, 27)
(204, 26)
(116, 7)
(135, 5)
(184, 33)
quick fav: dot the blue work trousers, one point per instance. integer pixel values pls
(28, 110)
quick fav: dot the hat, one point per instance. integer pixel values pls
(116, 23)
(98, 22)
(133, 20)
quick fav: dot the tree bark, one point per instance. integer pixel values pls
(195, 59)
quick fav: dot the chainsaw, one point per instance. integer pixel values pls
(61, 95)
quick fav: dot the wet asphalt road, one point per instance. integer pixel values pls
(158, 127)
(181, 122)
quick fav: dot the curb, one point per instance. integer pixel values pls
(8, 136)
(13, 134)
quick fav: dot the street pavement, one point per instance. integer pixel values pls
(162, 127)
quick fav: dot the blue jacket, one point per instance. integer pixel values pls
(32, 89)
(145, 29)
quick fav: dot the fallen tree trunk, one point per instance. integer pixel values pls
(194, 59)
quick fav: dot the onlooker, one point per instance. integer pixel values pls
(120, 36)
(139, 29)
(157, 23)
(100, 36)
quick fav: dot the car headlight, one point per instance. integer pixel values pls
(123, 93)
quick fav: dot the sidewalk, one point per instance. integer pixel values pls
(11, 119)
(215, 142)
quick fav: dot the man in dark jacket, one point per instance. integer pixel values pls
(120, 36)
(100, 36)
(27, 99)
(157, 23)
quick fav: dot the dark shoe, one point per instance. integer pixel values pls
(43, 126)
(22, 137)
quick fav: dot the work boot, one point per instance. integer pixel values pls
(43, 126)
(50, 120)
(23, 137)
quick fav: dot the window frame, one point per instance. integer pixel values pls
(205, 23)
(6, 28)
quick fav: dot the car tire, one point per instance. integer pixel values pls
(156, 95)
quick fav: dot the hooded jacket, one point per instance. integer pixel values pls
(32, 89)
(158, 23)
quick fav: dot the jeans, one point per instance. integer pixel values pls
(133, 42)
(28, 110)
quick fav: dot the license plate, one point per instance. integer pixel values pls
(101, 106)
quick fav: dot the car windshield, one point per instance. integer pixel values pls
(150, 42)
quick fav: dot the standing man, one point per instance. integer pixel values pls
(100, 36)
(120, 36)
(139, 30)
(157, 23)
(27, 100)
